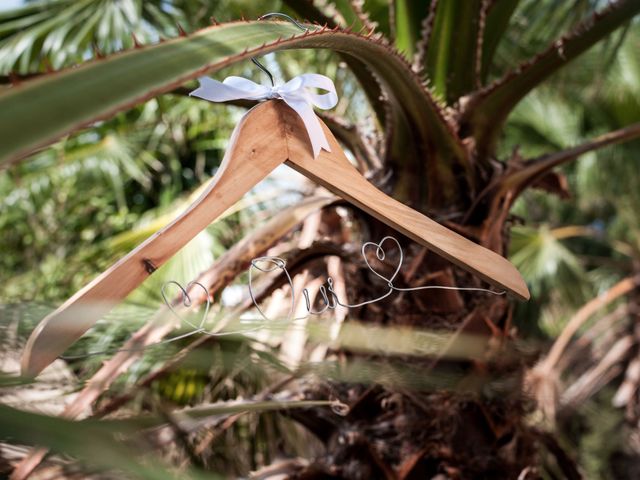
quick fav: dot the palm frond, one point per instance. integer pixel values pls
(486, 111)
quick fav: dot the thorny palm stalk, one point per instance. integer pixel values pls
(429, 75)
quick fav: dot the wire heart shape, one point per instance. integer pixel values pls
(381, 255)
(266, 265)
(187, 302)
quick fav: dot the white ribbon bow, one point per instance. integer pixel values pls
(296, 93)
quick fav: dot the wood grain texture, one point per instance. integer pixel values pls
(270, 134)
(334, 171)
(257, 146)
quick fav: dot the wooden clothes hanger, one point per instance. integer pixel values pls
(253, 153)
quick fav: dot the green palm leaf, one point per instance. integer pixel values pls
(44, 109)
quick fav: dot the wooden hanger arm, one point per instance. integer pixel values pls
(468, 255)
(252, 155)
(334, 171)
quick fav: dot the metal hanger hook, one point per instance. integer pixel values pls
(286, 17)
(289, 19)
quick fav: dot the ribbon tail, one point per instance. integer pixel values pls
(312, 124)
(209, 89)
(233, 88)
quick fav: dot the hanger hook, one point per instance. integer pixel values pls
(264, 69)
(286, 17)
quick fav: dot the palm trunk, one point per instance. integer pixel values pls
(404, 428)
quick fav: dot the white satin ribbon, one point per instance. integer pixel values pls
(296, 93)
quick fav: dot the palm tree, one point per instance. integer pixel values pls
(441, 79)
